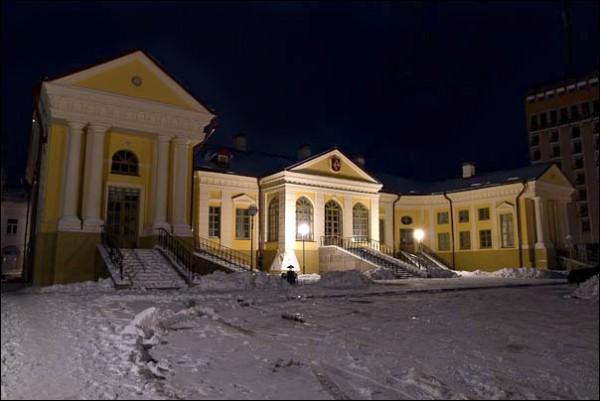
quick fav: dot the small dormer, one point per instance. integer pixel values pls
(222, 158)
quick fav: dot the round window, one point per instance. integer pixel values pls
(406, 220)
(137, 81)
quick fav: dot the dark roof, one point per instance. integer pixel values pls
(394, 184)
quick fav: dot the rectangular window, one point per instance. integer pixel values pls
(582, 195)
(214, 221)
(463, 216)
(485, 239)
(554, 136)
(506, 226)
(579, 162)
(533, 123)
(544, 121)
(242, 224)
(574, 113)
(11, 226)
(381, 230)
(536, 155)
(555, 151)
(580, 179)
(564, 115)
(595, 108)
(583, 210)
(575, 132)
(535, 140)
(444, 241)
(585, 226)
(577, 147)
(484, 214)
(442, 218)
(585, 109)
(465, 240)
(553, 118)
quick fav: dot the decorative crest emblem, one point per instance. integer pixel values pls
(336, 163)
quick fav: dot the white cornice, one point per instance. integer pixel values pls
(317, 181)
(117, 111)
(226, 180)
(345, 159)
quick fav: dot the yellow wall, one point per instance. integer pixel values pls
(323, 168)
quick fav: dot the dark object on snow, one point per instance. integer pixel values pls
(297, 317)
(291, 275)
(580, 275)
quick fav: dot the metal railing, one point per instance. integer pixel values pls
(178, 250)
(428, 252)
(223, 252)
(356, 243)
(114, 252)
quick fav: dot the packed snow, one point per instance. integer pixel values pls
(411, 339)
(520, 272)
(588, 290)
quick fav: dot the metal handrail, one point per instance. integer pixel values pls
(114, 252)
(223, 252)
(430, 253)
(179, 250)
(356, 243)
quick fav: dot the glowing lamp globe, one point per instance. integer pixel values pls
(303, 230)
(419, 234)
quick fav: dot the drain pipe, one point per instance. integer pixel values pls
(519, 232)
(452, 232)
(399, 195)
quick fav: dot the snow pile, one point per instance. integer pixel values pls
(588, 290)
(75, 288)
(344, 279)
(309, 278)
(240, 281)
(381, 274)
(520, 272)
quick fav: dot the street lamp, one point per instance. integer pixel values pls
(252, 210)
(303, 230)
(419, 234)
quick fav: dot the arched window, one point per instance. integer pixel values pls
(333, 219)
(124, 162)
(273, 233)
(360, 222)
(304, 215)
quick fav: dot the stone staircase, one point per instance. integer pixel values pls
(149, 269)
(402, 269)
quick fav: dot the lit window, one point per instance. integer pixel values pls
(242, 224)
(124, 162)
(506, 226)
(273, 234)
(485, 239)
(360, 222)
(304, 215)
(333, 219)
(214, 221)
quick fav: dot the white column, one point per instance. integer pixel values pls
(180, 181)
(286, 255)
(93, 177)
(539, 223)
(374, 219)
(319, 216)
(347, 217)
(389, 223)
(69, 220)
(162, 183)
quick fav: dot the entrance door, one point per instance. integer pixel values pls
(122, 216)
(407, 242)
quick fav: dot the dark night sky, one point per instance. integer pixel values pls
(417, 87)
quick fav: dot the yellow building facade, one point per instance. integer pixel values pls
(111, 149)
(119, 151)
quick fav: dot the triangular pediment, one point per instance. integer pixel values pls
(335, 164)
(505, 205)
(243, 198)
(135, 75)
(555, 176)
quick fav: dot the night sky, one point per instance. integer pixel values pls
(417, 87)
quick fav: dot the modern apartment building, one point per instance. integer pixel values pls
(562, 120)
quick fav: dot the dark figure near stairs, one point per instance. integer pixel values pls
(580, 275)
(290, 275)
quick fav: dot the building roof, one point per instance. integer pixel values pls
(405, 186)
(260, 164)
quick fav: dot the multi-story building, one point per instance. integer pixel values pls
(13, 229)
(562, 119)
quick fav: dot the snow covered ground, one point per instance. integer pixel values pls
(407, 339)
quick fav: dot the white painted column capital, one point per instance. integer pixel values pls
(162, 182)
(70, 199)
(93, 177)
(180, 180)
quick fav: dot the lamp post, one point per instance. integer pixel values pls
(419, 234)
(303, 230)
(252, 210)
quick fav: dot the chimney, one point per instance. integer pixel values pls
(240, 143)
(304, 152)
(468, 169)
(360, 160)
